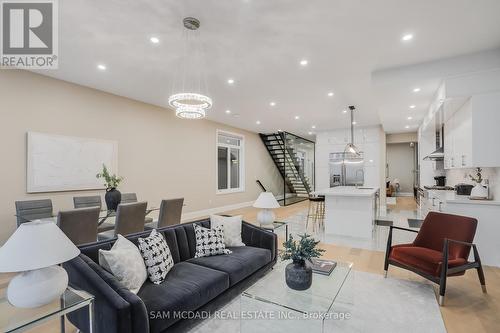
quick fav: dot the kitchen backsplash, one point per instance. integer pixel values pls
(457, 176)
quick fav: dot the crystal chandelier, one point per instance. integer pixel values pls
(189, 97)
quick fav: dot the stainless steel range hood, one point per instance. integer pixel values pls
(438, 154)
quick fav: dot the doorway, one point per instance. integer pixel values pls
(401, 168)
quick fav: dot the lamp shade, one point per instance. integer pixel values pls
(266, 200)
(36, 245)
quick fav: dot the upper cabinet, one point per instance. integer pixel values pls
(472, 133)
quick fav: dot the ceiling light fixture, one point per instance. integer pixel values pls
(258, 122)
(101, 67)
(416, 90)
(407, 126)
(313, 126)
(304, 62)
(297, 117)
(310, 133)
(230, 81)
(154, 40)
(330, 94)
(413, 106)
(191, 102)
(410, 118)
(344, 111)
(407, 37)
(228, 111)
(272, 104)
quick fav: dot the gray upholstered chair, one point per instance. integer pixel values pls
(170, 213)
(80, 225)
(129, 220)
(29, 210)
(87, 201)
(128, 198)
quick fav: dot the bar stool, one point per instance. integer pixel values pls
(316, 212)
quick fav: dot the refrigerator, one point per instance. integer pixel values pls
(346, 169)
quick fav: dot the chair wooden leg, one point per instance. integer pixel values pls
(480, 272)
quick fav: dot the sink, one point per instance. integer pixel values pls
(366, 188)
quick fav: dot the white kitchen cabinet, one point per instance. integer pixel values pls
(471, 134)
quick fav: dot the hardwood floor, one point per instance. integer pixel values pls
(467, 309)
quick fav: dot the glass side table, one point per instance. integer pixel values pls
(276, 225)
(13, 319)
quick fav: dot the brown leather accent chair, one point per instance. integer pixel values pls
(441, 249)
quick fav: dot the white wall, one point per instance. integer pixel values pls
(160, 155)
(400, 165)
(371, 140)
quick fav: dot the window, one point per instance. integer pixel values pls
(230, 174)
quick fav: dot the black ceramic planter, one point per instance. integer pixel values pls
(298, 275)
(113, 198)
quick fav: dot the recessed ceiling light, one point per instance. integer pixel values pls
(258, 122)
(371, 161)
(354, 123)
(330, 94)
(413, 106)
(154, 40)
(280, 130)
(304, 62)
(230, 81)
(313, 126)
(272, 104)
(297, 117)
(310, 133)
(407, 37)
(410, 118)
(415, 90)
(344, 111)
(228, 111)
(407, 126)
(101, 67)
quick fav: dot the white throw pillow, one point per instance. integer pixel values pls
(231, 226)
(125, 262)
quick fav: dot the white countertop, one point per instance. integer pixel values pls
(452, 198)
(349, 191)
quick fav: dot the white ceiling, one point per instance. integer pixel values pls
(259, 43)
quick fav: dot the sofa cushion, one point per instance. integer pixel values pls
(186, 288)
(423, 259)
(241, 263)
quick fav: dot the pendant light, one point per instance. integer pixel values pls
(189, 90)
(351, 148)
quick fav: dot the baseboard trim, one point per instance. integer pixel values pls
(206, 212)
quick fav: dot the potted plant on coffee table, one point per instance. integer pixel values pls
(298, 273)
(113, 197)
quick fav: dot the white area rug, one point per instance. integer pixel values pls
(375, 305)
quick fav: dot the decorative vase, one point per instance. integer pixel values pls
(113, 198)
(479, 192)
(298, 275)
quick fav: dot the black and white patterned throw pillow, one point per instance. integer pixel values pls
(209, 242)
(156, 255)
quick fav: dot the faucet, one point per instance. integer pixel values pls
(362, 177)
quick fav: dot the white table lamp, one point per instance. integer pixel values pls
(34, 250)
(267, 202)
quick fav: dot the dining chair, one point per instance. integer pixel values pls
(129, 220)
(128, 198)
(440, 250)
(29, 210)
(87, 201)
(80, 225)
(170, 213)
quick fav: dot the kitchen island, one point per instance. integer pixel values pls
(350, 211)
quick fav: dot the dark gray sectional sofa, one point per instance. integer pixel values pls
(192, 284)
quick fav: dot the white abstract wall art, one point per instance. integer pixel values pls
(64, 163)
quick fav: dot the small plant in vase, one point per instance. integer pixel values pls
(479, 191)
(298, 274)
(113, 197)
